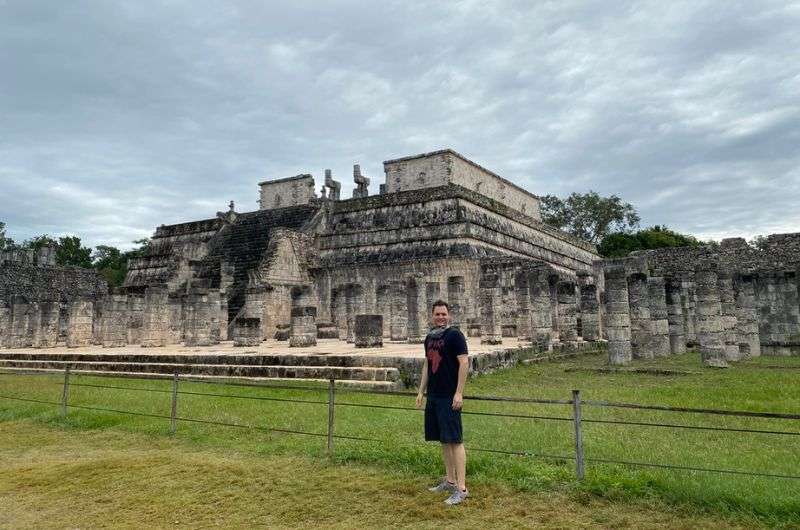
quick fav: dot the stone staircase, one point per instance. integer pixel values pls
(349, 370)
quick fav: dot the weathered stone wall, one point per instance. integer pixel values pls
(291, 191)
(63, 284)
(167, 258)
(444, 221)
(448, 167)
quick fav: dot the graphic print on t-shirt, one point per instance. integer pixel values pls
(433, 355)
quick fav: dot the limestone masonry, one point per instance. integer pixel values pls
(365, 270)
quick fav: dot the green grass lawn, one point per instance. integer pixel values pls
(66, 478)
(752, 386)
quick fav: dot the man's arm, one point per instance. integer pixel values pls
(423, 383)
(463, 370)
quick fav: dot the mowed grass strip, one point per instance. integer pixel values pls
(746, 386)
(57, 478)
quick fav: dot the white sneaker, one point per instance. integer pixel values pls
(457, 497)
(443, 486)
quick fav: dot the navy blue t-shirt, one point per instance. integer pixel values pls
(442, 354)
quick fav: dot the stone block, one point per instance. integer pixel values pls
(369, 331)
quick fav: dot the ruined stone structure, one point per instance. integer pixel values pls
(366, 270)
(42, 304)
(730, 303)
(440, 226)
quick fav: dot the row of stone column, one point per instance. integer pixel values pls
(153, 320)
(548, 307)
(648, 315)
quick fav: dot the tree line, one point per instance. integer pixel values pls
(109, 261)
(610, 223)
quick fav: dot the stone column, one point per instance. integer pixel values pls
(677, 336)
(727, 300)
(790, 311)
(747, 316)
(709, 315)
(338, 314)
(19, 335)
(254, 307)
(567, 311)
(555, 333)
(590, 313)
(641, 327)
(522, 291)
(303, 327)
(399, 325)
(215, 304)
(135, 318)
(176, 310)
(198, 317)
(455, 297)
(541, 312)
(418, 317)
(155, 317)
(432, 293)
(223, 316)
(46, 331)
(659, 318)
(97, 319)
(490, 299)
(355, 303)
(247, 332)
(79, 330)
(114, 323)
(383, 302)
(618, 323)
(5, 323)
(369, 331)
(689, 306)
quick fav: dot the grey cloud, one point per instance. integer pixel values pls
(122, 116)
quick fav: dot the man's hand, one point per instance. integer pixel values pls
(420, 400)
(458, 401)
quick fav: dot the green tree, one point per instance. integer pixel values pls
(112, 264)
(621, 244)
(39, 242)
(589, 216)
(70, 252)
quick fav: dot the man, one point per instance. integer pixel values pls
(444, 373)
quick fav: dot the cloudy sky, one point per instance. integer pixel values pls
(116, 117)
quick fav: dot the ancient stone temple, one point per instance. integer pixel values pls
(366, 270)
(438, 222)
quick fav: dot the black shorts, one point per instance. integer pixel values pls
(442, 423)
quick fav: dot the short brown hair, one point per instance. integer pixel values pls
(440, 303)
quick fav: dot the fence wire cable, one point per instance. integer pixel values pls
(665, 408)
(694, 427)
(88, 385)
(256, 398)
(28, 400)
(472, 398)
(688, 468)
(497, 414)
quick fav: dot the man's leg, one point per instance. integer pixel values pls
(459, 462)
(449, 465)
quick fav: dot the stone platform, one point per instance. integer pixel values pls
(394, 366)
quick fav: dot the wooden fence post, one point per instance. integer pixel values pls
(331, 406)
(65, 393)
(173, 416)
(576, 416)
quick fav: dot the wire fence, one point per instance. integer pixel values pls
(576, 418)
